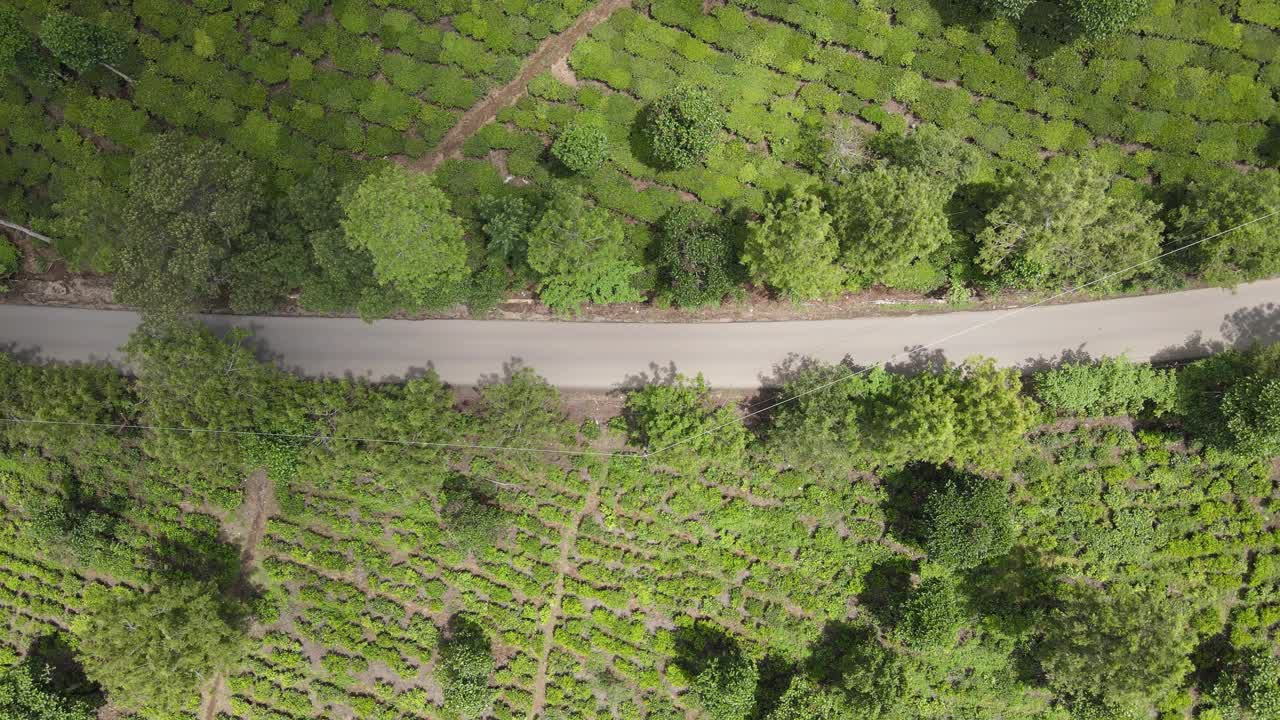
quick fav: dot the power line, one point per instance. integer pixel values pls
(648, 453)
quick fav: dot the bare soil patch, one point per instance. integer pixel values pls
(561, 71)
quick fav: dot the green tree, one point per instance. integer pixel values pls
(886, 219)
(404, 222)
(939, 154)
(508, 218)
(287, 254)
(578, 252)
(1111, 386)
(726, 687)
(969, 522)
(1117, 647)
(682, 415)
(992, 415)
(914, 420)
(694, 258)
(1226, 255)
(853, 660)
(190, 204)
(932, 614)
(466, 661)
(1101, 18)
(583, 145)
(9, 259)
(1232, 400)
(80, 44)
(1064, 227)
(89, 219)
(153, 651)
(263, 273)
(1011, 9)
(1248, 688)
(25, 694)
(792, 248)
(471, 516)
(14, 39)
(819, 430)
(523, 411)
(1252, 411)
(188, 378)
(682, 127)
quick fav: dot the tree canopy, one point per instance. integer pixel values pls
(969, 522)
(153, 650)
(1116, 647)
(466, 661)
(404, 221)
(793, 249)
(886, 219)
(78, 43)
(1236, 223)
(696, 261)
(1064, 227)
(191, 203)
(682, 127)
(583, 145)
(579, 254)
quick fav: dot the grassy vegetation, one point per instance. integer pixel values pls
(810, 553)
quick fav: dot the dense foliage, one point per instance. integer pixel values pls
(926, 127)
(1084, 561)
(403, 221)
(583, 146)
(579, 254)
(155, 650)
(793, 249)
(682, 127)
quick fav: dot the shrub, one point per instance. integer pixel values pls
(681, 127)
(932, 613)
(969, 522)
(1113, 386)
(583, 146)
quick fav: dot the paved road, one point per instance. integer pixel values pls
(731, 355)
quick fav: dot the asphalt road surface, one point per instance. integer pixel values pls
(730, 355)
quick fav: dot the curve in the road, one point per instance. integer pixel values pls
(730, 355)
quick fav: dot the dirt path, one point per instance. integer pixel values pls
(568, 538)
(214, 699)
(259, 503)
(553, 49)
(246, 528)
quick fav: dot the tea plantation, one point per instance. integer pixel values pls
(1099, 544)
(906, 128)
